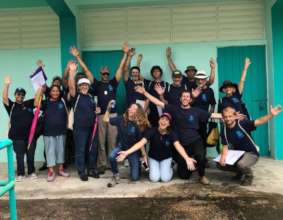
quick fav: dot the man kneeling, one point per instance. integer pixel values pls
(235, 134)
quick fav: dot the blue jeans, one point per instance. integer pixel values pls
(84, 158)
(160, 170)
(134, 161)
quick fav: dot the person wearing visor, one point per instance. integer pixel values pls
(189, 78)
(84, 121)
(234, 92)
(204, 100)
(21, 116)
(160, 139)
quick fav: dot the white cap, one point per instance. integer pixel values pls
(82, 81)
(201, 74)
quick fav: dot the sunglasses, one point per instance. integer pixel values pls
(20, 94)
(105, 73)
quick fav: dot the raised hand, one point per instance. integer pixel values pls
(275, 110)
(212, 63)
(40, 63)
(196, 92)
(74, 51)
(7, 80)
(121, 156)
(140, 89)
(168, 52)
(72, 68)
(191, 164)
(126, 47)
(240, 116)
(132, 52)
(248, 62)
(140, 57)
(159, 89)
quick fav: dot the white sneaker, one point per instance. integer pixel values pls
(20, 178)
(33, 176)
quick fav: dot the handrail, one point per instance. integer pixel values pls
(9, 185)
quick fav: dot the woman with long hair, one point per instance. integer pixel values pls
(130, 128)
(161, 139)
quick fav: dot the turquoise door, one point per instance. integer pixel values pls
(97, 59)
(230, 64)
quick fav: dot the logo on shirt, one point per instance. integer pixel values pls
(132, 130)
(235, 100)
(240, 134)
(204, 97)
(60, 106)
(191, 118)
(167, 143)
(110, 88)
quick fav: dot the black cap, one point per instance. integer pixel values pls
(20, 90)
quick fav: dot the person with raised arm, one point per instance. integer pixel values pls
(84, 122)
(20, 113)
(187, 121)
(235, 134)
(161, 139)
(233, 92)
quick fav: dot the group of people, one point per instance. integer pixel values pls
(162, 122)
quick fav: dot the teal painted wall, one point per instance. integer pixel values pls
(277, 35)
(20, 64)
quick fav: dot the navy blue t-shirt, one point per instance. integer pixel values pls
(190, 84)
(173, 94)
(160, 146)
(234, 101)
(105, 92)
(55, 117)
(187, 122)
(128, 134)
(131, 95)
(84, 111)
(205, 99)
(21, 119)
(237, 139)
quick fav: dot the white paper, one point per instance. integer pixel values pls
(141, 103)
(38, 80)
(232, 157)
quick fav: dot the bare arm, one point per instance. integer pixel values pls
(131, 53)
(5, 94)
(119, 71)
(273, 112)
(139, 60)
(212, 72)
(71, 83)
(75, 52)
(66, 75)
(189, 161)
(171, 64)
(151, 98)
(216, 115)
(38, 97)
(244, 74)
(223, 155)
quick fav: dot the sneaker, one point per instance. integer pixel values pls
(20, 178)
(238, 176)
(114, 180)
(63, 173)
(51, 176)
(83, 177)
(33, 176)
(203, 180)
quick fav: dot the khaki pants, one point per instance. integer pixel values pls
(107, 135)
(243, 166)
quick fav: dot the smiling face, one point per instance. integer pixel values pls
(54, 93)
(229, 90)
(177, 80)
(156, 73)
(83, 88)
(186, 99)
(104, 76)
(228, 115)
(132, 111)
(164, 123)
(191, 73)
(19, 97)
(135, 74)
(201, 82)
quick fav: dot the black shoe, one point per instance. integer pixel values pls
(237, 177)
(247, 180)
(94, 174)
(43, 167)
(83, 177)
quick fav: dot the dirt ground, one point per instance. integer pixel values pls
(179, 201)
